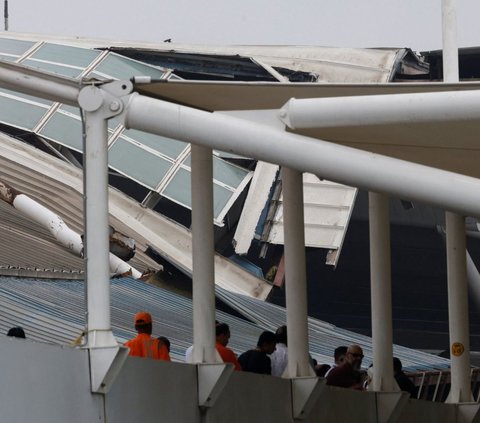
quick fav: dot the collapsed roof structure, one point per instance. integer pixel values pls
(150, 175)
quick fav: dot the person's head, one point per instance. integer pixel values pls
(354, 356)
(339, 354)
(281, 335)
(222, 333)
(397, 365)
(321, 369)
(143, 322)
(164, 341)
(266, 342)
(16, 332)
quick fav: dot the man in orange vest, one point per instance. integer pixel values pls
(222, 332)
(143, 345)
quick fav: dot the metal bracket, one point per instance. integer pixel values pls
(389, 405)
(105, 364)
(211, 379)
(305, 393)
(110, 97)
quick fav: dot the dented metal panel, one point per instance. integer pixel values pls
(327, 210)
(58, 185)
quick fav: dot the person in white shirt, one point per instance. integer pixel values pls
(279, 357)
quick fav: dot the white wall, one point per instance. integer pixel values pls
(44, 383)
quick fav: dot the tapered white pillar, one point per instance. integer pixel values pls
(203, 270)
(295, 275)
(460, 390)
(96, 230)
(381, 293)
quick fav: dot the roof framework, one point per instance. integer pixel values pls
(296, 152)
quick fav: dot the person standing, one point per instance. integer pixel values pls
(257, 360)
(143, 345)
(222, 332)
(348, 374)
(279, 357)
(403, 381)
(339, 357)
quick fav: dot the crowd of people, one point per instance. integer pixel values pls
(270, 356)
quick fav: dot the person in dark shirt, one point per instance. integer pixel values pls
(348, 374)
(257, 360)
(16, 332)
(403, 381)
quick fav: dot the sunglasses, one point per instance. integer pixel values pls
(357, 355)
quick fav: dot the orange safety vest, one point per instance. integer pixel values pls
(143, 345)
(228, 356)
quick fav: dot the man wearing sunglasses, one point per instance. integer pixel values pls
(348, 374)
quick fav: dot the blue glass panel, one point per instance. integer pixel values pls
(74, 56)
(137, 163)
(65, 130)
(167, 146)
(20, 114)
(228, 173)
(122, 68)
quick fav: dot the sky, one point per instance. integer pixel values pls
(338, 23)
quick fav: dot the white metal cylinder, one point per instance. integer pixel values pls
(96, 227)
(460, 390)
(203, 265)
(381, 293)
(372, 172)
(295, 274)
(450, 46)
(48, 219)
(386, 109)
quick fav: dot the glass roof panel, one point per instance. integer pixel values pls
(71, 109)
(22, 97)
(137, 163)
(52, 67)
(178, 189)
(20, 114)
(228, 173)
(75, 56)
(15, 47)
(166, 146)
(65, 130)
(220, 198)
(122, 68)
(8, 58)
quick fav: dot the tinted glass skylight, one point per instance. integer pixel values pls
(115, 66)
(14, 48)
(131, 160)
(67, 55)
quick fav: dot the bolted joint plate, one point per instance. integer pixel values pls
(108, 98)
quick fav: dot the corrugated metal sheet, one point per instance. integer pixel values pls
(53, 311)
(325, 337)
(58, 186)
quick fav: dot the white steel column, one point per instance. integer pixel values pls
(96, 230)
(295, 274)
(381, 293)
(203, 266)
(460, 390)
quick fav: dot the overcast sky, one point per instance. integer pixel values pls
(342, 23)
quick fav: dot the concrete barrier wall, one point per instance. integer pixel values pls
(44, 383)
